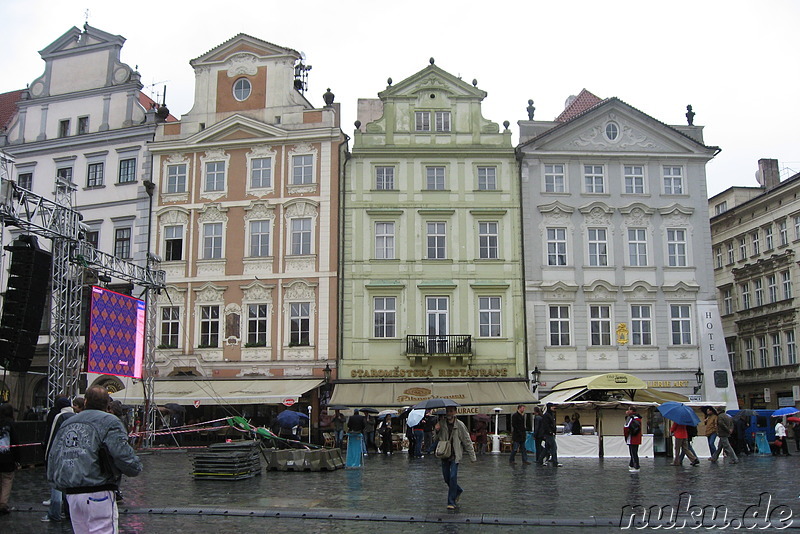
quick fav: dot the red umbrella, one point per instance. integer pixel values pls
(793, 419)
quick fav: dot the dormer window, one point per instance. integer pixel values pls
(241, 89)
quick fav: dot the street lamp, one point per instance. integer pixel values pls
(535, 375)
(699, 376)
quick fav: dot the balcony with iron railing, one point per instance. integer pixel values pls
(421, 348)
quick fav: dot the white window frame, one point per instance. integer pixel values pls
(209, 330)
(642, 325)
(556, 246)
(176, 178)
(214, 176)
(763, 352)
(169, 327)
(791, 347)
(442, 119)
(174, 233)
(555, 178)
(301, 240)
(600, 325)
(750, 353)
(777, 349)
(259, 233)
(300, 324)
(680, 320)
(594, 179)
(797, 226)
(302, 169)
(384, 178)
(744, 287)
(634, 179)
(677, 247)
(718, 255)
(786, 282)
(769, 238)
(490, 316)
(731, 254)
(758, 290)
(422, 121)
(260, 174)
(727, 301)
(435, 178)
(384, 240)
(488, 240)
(598, 247)
(755, 237)
(213, 240)
(436, 240)
(384, 317)
(783, 232)
(743, 248)
(487, 178)
(258, 319)
(637, 247)
(558, 325)
(772, 287)
(242, 89)
(673, 179)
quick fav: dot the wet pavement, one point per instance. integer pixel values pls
(398, 494)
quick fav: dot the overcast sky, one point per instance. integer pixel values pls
(735, 61)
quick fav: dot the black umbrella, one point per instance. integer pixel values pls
(432, 404)
(368, 410)
(337, 407)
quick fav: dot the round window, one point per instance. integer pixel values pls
(241, 89)
(612, 131)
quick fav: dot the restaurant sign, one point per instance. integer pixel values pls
(455, 372)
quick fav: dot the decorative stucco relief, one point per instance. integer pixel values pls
(242, 63)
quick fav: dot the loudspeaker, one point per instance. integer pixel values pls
(24, 303)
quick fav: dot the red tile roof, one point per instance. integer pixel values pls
(148, 103)
(583, 102)
(8, 106)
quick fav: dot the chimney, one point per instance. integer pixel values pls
(768, 175)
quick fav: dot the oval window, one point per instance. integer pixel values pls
(612, 131)
(241, 89)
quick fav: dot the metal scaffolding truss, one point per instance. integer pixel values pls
(72, 255)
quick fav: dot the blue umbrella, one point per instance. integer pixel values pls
(290, 418)
(679, 413)
(780, 412)
(415, 417)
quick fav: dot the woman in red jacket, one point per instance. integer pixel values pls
(633, 437)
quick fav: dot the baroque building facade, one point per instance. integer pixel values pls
(246, 224)
(755, 234)
(616, 239)
(80, 131)
(432, 302)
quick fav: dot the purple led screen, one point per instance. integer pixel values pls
(116, 334)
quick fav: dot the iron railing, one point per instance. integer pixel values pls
(435, 344)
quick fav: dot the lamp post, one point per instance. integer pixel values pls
(535, 375)
(699, 376)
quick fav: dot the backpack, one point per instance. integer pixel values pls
(635, 428)
(691, 431)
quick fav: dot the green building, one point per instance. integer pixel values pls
(432, 296)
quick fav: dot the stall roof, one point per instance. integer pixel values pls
(484, 396)
(222, 391)
(609, 381)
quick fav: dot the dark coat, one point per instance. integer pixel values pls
(518, 427)
(356, 423)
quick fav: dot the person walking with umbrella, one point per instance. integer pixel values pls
(454, 441)
(724, 431)
(780, 435)
(681, 417)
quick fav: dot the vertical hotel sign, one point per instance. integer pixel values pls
(116, 334)
(714, 356)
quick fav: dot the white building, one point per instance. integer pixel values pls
(617, 250)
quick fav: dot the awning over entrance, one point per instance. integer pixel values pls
(480, 397)
(562, 395)
(608, 381)
(212, 392)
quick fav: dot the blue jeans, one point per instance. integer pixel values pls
(711, 439)
(54, 512)
(552, 448)
(450, 474)
(338, 435)
(419, 437)
(518, 445)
